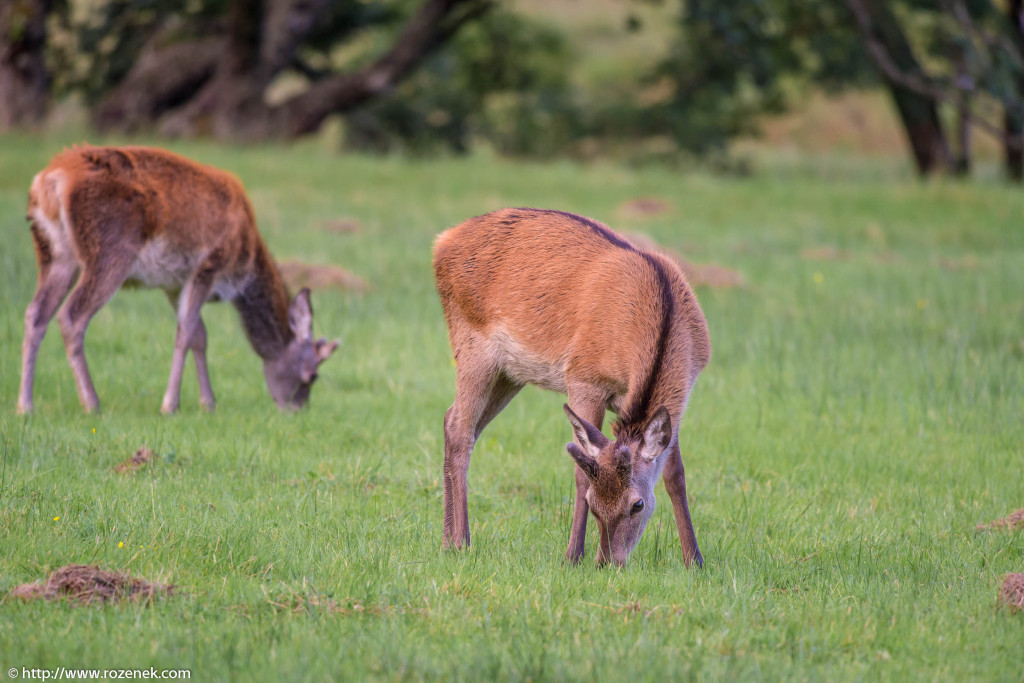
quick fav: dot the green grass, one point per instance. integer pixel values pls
(858, 419)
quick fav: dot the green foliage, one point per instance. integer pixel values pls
(106, 38)
(859, 417)
(501, 80)
(734, 61)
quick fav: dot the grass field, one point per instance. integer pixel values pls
(861, 414)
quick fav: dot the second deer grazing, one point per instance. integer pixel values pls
(560, 301)
(103, 217)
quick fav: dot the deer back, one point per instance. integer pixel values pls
(570, 293)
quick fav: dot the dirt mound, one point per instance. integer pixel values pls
(1012, 592)
(87, 584)
(1014, 521)
(697, 274)
(644, 206)
(343, 226)
(825, 252)
(969, 262)
(299, 275)
(141, 457)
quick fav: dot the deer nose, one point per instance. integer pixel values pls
(619, 558)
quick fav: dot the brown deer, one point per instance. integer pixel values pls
(150, 218)
(560, 301)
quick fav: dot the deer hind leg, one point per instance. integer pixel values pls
(675, 485)
(590, 407)
(197, 345)
(55, 280)
(191, 333)
(98, 283)
(481, 392)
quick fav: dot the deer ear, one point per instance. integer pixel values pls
(589, 436)
(585, 462)
(300, 315)
(324, 349)
(657, 435)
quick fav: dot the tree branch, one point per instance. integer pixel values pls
(914, 81)
(429, 28)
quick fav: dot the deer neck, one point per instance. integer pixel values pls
(263, 307)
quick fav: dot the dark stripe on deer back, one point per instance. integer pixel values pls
(633, 414)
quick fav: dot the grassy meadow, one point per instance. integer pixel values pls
(862, 413)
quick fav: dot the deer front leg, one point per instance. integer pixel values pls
(578, 533)
(192, 298)
(675, 485)
(604, 549)
(197, 345)
(590, 407)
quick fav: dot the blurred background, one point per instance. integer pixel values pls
(934, 85)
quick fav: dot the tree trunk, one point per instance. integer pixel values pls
(962, 163)
(892, 53)
(24, 81)
(1012, 121)
(434, 23)
(232, 103)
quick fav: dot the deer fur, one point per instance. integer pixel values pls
(560, 301)
(103, 217)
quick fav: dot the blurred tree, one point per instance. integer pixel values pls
(502, 79)
(887, 44)
(735, 60)
(24, 79)
(207, 66)
(1013, 119)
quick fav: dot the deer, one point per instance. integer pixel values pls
(560, 301)
(106, 217)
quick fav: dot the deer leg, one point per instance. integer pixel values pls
(55, 280)
(675, 485)
(94, 289)
(604, 549)
(197, 345)
(481, 391)
(191, 300)
(591, 408)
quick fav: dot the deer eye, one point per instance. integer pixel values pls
(638, 506)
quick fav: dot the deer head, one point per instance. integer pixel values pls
(622, 475)
(291, 374)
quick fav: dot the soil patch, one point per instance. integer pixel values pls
(1012, 592)
(139, 459)
(824, 253)
(644, 206)
(87, 584)
(697, 274)
(1014, 521)
(343, 226)
(969, 262)
(299, 275)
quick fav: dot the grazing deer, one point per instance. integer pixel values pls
(560, 301)
(146, 217)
